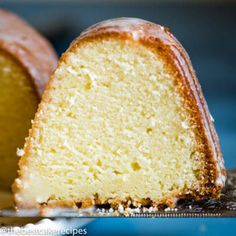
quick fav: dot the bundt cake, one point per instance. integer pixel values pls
(26, 61)
(122, 121)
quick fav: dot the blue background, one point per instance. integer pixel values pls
(208, 32)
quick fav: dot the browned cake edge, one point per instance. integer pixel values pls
(28, 47)
(160, 40)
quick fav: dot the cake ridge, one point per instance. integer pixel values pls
(28, 47)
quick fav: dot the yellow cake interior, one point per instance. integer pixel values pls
(18, 103)
(112, 125)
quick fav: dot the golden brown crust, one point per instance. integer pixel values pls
(28, 47)
(159, 39)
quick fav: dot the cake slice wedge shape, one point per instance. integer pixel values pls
(122, 121)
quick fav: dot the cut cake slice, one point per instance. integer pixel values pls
(122, 121)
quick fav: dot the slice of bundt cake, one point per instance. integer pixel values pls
(26, 61)
(123, 120)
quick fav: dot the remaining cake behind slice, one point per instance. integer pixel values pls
(26, 61)
(123, 120)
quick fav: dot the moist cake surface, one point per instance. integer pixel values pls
(119, 124)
